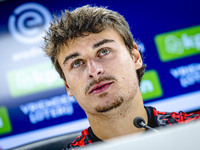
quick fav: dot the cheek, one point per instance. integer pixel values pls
(127, 71)
(125, 64)
(75, 83)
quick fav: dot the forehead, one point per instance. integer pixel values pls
(90, 39)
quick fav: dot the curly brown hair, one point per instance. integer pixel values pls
(83, 20)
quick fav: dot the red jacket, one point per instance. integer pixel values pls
(155, 119)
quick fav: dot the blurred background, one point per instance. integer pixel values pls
(34, 104)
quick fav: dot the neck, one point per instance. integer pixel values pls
(119, 122)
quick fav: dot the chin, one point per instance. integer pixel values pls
(109, 106)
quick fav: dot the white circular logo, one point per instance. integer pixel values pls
(28, 22)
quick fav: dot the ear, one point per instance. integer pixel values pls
(137, 59)
(68, 89)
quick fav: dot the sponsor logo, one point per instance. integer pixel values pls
(33, 79)
(150, 85)
(187, 75)
(5, 126)
(141, 47)
(28, 22)
(178, 44)
(47, 109)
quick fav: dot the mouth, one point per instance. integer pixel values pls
(99, 88)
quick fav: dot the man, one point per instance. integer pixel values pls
(93, 50)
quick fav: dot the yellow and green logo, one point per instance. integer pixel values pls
(33, 79)
(150, 85)
(5, 126)
(178, 44)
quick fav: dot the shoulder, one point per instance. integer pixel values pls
(80, 141)
(164, 118)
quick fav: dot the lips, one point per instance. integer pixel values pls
(99, 88)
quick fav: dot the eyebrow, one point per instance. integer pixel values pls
(96, 45)
(71, 56)
(102, 42)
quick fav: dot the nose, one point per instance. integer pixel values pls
(94, 69)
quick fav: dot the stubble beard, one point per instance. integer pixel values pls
(116, 103)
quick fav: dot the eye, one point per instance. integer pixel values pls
(103, 52)
(77, 63)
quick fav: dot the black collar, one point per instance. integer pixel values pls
(151, 122)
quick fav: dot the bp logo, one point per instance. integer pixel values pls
(28, 21)
(178, 44)
(173, 45)
(33, 79)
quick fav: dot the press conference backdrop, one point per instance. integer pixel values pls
(34, 104)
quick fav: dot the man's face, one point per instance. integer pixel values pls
(100, 72)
